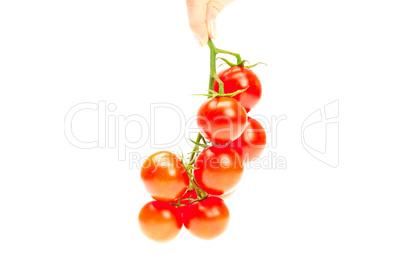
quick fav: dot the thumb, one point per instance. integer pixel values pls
(214, 7)
(197, 10)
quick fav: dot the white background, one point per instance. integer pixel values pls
(61, 206)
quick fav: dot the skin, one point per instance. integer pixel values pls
(221, 119)
(218, 169)
(164, 176)
(225, 196)
(202, 17)
(237, 78)
(160, 221)
(207, 218)
(251, 143)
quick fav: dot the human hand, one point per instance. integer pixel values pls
(202, 18)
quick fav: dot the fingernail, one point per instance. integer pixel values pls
(212, 28)
(198, 40)
(209, 29)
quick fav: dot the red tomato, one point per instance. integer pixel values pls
(160, 221)
(252, 142)
(189, 194)
(207, 218)
(221, 119)
(218, 169)
(225, 196)
(237, 78)
(164, 176)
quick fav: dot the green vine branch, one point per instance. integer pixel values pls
(200, 140)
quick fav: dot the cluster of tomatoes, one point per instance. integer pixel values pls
(191, 193)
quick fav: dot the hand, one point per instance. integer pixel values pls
(202, 15)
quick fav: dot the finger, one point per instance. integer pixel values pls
(214, 7)
(211, 28)
(197, 10)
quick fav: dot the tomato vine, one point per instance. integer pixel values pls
(188, 189)
(201, 194)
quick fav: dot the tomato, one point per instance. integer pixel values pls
(221, 119)
(237, 78)
(218, 169)
(225, 196)
(207, 218)
(251, 143)
(164, 176)
(189, 194)
(160, 221)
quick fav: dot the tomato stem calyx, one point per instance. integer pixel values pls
(241, 64)
(212, 76)
(199, 144)
(214, 94)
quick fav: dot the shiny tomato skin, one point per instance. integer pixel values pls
(160, 221)
(164, 176)
(207, 218)
(237, 78)
(252, 141)
(226, 196)
(218, 169)
(221, 119)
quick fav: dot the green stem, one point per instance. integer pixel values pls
(195, 148)
(212, 64)
(212, 76)
(221, 91)
(230, 53)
